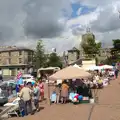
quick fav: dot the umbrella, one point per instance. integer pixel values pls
(70, 73)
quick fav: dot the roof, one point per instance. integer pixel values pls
(13, 48)
(14, 66)
(78, 62)
(49, 68)
(73, 49)
(70, 72)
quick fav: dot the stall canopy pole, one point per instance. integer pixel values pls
(49, 101)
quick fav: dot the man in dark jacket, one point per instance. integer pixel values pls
(1, 78)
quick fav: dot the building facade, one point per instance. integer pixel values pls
(104, 54)
(13, 59)
(73, 55)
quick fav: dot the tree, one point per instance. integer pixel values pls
(116, 44)
(39, 56)
(91, 48)
(115, 51)
(54, 60)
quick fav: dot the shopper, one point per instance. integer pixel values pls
(26, 95)
(36, 96)
(64, 92)
(57, 91)
(41, 86)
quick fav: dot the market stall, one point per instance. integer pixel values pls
(70, 72)
(74, 74)
(93, 68)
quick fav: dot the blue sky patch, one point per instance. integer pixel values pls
(84, 9)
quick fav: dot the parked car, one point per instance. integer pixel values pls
(34, 74)
(28, 77)
(3, 98)
(10, 83)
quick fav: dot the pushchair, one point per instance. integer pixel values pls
(17, 110)
(14, 111)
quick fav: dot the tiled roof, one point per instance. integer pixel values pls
(78, 62)
(73, 49)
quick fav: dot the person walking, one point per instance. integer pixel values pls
(36, 96)
(1, 77)
(57, 91)
(64, 92)
(26, 96)
(116, 73)
(41, 86)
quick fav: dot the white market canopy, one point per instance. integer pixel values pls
(92, 68)
(106, 67)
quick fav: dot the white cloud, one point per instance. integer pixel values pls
(43, 19)
(84, 19)
(104, 22)
(95, 3)
(79, 11)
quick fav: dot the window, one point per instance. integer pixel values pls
(29, 53)
(20, 60)
(9, 53)
(20, 53)
(9, 61)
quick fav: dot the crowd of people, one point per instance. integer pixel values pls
(30, 93)
(99, 80)
(62, 90)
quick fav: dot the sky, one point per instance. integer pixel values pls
(59, 23)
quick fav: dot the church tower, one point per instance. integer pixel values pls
(85, 37)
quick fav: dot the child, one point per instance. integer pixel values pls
(36, 93)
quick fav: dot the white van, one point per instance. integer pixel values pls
(28, 77)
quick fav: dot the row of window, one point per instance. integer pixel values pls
(8, 61)
(20, 53)
(20, 61)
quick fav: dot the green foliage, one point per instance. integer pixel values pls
(108, 61)
(91, 48)
(96, 61)
(45, 60)
(116, 44)
(39, 56)
(115, 53)
(54, 60)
